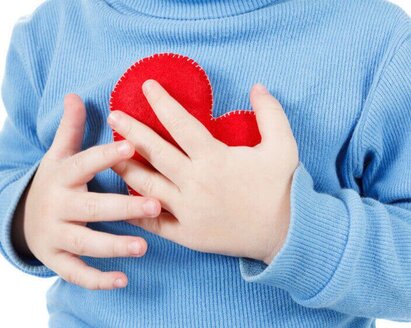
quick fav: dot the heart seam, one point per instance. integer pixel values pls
(196, 65)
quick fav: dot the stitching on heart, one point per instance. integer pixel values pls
(196, 65)
(173, 55)
(238, 111)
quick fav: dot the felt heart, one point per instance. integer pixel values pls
(188, 83)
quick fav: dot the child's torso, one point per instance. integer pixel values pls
(320, 73)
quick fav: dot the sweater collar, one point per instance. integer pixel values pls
(192, 9)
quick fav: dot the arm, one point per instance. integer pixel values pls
(20, 151)
(351, 252)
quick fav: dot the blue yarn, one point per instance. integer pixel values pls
(341, 70)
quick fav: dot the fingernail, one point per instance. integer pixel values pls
(147, 85)
(119, 283)
(124, 148)
(150, 208)
(113, 118)
(135, 248)
(261, 89)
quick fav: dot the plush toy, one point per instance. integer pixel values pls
(188, 83)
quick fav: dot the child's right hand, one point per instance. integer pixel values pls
(50, 220)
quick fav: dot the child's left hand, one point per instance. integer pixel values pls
(227, 200)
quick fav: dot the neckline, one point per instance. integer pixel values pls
(191, 9)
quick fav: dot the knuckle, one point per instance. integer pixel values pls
(77, 163)
(159, 150)
(147, 186)
(73, 278)
(128, 130)
(115, 248)
(107, 151)
(122, 168)
(79, 244)
(155, 226)
(155, 150)
(91, 207)
(130, 209)
(175, 123)
(97, 285)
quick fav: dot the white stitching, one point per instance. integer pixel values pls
(196, 65)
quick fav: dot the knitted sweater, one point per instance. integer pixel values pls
(341, 70)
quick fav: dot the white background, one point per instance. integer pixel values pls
(22, 297)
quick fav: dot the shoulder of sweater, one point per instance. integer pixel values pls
(383, 18)
(384, 27)
(383, 8)
(387, 98)
(392, 25)
(49, 13)
(36, 35)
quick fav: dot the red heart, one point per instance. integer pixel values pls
(188, 83)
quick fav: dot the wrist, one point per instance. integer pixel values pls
(282, 226)
(280, 243)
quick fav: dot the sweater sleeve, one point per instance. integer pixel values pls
(20, 149)
(351, 252)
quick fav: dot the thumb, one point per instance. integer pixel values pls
(69, 134)
(271, 119)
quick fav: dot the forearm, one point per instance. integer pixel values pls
(344, 253)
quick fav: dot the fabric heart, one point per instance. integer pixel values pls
(187, 82)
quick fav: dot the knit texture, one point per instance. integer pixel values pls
(341, 70)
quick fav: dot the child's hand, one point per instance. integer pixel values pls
(51, 219)
(227, 200)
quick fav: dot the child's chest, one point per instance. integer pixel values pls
(322, 102)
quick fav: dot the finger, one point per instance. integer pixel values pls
(192, 136)
(96, 207)
(271, 118)
(166, 158)
(166, 226)
(69, 134)
(82, 167)
(148, 182)
(84, 241)
(75, 271)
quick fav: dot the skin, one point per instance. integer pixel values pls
(226, 200)
(248, 215)
(55, 231)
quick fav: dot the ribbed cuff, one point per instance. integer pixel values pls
(10, 198)
(318, 232)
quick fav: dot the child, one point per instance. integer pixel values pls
(264, 236)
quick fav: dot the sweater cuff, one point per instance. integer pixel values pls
(10, 198)
(315, 243)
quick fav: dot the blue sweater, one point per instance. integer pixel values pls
(341, 69)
